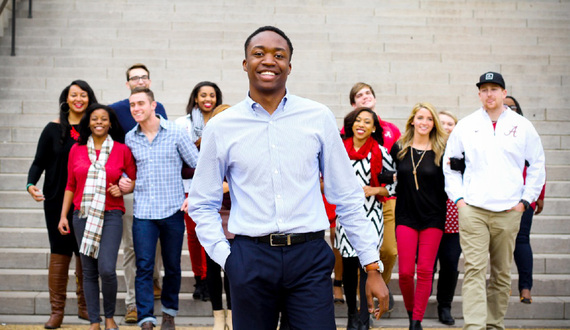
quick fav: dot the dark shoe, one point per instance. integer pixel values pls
(444, 315)
(205, 291)
(167, 322)
(337, 292)
(58, 274)
(525, 296)
(147, 326)
(363, 326)
(198, 287)
(81, 304)
(416, 325)
(410, 313)
(352, 322)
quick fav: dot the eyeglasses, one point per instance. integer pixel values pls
(513, 107)
(137, 78)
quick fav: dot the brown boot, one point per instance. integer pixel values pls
(57, 282)
(81, 304)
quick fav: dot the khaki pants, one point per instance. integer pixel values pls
(389, 249)
(487, 236)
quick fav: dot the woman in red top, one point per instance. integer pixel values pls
(96, 163)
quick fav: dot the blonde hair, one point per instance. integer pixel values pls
(450, 115)
(437, 136)
(219, 109)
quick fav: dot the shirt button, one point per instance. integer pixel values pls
(278, 196)
(270, 122)
(280, 220)
(276, 172)
(273, 146)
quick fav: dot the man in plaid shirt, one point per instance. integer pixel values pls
(159, 147)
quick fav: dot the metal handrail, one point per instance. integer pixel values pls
(2, 6)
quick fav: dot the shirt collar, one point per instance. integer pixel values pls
(255, 107)
(162, 125)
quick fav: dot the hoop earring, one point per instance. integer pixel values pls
(62, 107)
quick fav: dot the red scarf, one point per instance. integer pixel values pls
(371, 145)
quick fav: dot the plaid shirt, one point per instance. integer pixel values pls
(159, 192)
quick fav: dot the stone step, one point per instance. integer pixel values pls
(37, 238)
(18, 258)
(34, 303)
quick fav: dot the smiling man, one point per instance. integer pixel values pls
(137, 76)
(491, 197)
(271, 148)
(159, 147)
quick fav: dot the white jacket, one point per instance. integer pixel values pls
(494, 161)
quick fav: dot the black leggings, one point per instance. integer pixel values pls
(350, 283)
(59, 244)
(214, 282)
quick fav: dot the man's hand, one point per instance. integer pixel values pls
(376, 288)
(126, 185)
(519, 207)
(184, 207)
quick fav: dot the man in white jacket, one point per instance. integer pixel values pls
(491, 196)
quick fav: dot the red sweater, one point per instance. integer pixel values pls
(120, 161)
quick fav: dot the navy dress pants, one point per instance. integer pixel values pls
(265, 280)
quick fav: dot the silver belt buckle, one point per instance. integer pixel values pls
(271, 236)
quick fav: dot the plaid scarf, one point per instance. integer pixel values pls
(93, 201)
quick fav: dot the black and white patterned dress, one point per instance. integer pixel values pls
(372, 207)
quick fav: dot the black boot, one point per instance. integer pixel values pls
(198, 287)
(205, 291)
(352, 322)
(444, 315)
(363, 325)
(416, 325)
(410, 315)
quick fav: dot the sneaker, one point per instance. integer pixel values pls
(167, 322)
(131, 315)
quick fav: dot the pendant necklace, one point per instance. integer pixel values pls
(416, 166)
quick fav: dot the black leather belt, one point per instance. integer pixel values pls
(287, 239)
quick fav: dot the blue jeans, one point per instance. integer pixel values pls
(105, 266)
(523, 251)
(145, 237)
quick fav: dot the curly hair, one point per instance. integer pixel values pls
(116, 131)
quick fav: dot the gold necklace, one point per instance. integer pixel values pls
(416, 166)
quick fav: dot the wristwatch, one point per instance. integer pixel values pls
(376, 265)
(525, 203)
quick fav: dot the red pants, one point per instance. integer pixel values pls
(420, 245)
(197, 253)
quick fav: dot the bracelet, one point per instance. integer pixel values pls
(457, 200)
(28, 186)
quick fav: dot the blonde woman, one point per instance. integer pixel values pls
(420, 206)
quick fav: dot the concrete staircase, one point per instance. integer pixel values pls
(409, 51)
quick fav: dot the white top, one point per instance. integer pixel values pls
(494, 160)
